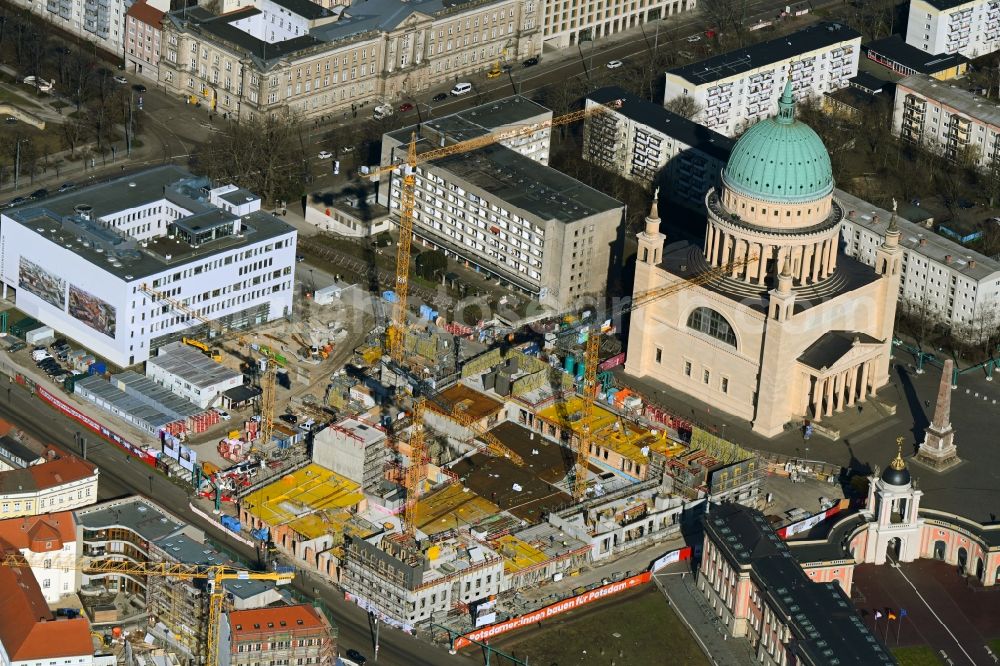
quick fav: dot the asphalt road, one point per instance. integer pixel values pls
(121, 475)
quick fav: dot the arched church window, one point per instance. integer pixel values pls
(710, 322)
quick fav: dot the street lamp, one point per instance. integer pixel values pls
(17, 161)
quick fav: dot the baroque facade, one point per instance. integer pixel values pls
(781, 325)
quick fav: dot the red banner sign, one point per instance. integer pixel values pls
(90, 423)
(557, 608)
(808, 523)
(613, 362)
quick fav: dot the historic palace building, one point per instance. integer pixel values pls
(789, 327)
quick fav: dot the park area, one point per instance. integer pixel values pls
(636, 627)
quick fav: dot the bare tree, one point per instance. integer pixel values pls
(684, 105)
(265, 155)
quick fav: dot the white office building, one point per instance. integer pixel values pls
(947, 119)
(501, 211)
(569, 22)
(127, 266)
(647, 144)
(736, 89)
(969, 27)
(940, 279)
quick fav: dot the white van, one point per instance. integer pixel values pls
(461, 89)
(382, 111)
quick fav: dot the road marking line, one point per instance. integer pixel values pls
(937, 617)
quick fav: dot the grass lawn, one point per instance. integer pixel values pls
(919, 655)
(598, 633)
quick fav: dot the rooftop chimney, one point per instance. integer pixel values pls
(947, 258)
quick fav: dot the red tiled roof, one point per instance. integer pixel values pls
(28, 629)
(142, 11)
(277, 619)
(35, 532)
(59, 471)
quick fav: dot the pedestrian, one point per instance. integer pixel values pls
(860, 408)
(927, 403)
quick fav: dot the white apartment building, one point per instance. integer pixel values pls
(969, 27)
(408, 584)
(45, 541)
(940, 278)
(647, 144)
(569, 22)
(947, 118)
(99, 21)
(295, 55)
(500, 211)
(56, 485)
(736, 89)
(127, 266)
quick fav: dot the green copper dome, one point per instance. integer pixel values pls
(780, 159)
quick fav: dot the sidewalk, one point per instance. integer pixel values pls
(680, 589)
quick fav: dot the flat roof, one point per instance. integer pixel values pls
(308, 500)
(140, 397)
(241, 195)
(535, 545)
(13, 449)
(450, 508)
(525, 184)
(192, 366)
(470, 402)
(895, 48)
(826, 625)
(57, 219)
(479, 120)
(951, 95)
(867, 81)
(366, 432)
(936, 247)
(183, 548)
(135, 513)
(949, 4)
(564, 411)
(732, 63)
(666, 122)
(304, 8)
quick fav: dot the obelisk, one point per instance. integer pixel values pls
(938, 450)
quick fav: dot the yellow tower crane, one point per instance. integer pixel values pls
(591, 358)
(396, 333)
(215, 575)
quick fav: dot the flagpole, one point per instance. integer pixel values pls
(885, 631)
(899, 626)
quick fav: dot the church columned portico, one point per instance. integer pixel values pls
(813, 327)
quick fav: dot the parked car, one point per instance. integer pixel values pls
(614, 64)
(223, 414)
(461, 88)
(325, 154)
(10, 120)
(139, 88)
(530, 62)
(299, 258)
(66, 187)
(440, 97)
(119, 79)
(17, 201)
(16, 347)
(405, 106)
(382, 111)
(290, 419)
(356, 657)
(506, 68)
(694, 38)
(39, 194)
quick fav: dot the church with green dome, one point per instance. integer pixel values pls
(779, 325)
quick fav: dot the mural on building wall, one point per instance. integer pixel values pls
(92, 311)
(47, 286)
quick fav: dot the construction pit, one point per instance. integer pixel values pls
(527, 492)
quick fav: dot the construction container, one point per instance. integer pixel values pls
(632, 402)
(569, 364)
(97, 368)
(39, 335)
(611, 395)
(70, 382)
(22, 327)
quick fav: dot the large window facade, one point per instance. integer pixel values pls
(710, 322)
